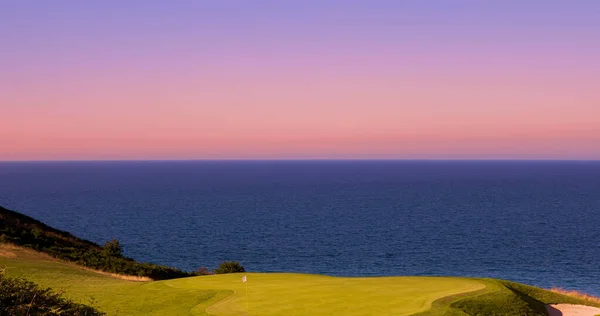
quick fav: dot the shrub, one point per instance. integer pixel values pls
(112, 248)
(22, 297)
(229, 267)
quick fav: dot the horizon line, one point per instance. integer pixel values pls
(309, 159)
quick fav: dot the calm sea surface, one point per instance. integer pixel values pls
(532, 222)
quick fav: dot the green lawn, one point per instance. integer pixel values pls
(300, 294)
(281, 293)
(268, 293)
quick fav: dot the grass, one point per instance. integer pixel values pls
(503, 298)
(577, 294)
(297, 294)
(22, 297)
(111, 295)
(282, 293)
(268, 294)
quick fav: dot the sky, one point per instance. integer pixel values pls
(114, 80)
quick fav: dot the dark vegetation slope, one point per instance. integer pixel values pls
(21, 297)
(27, 232)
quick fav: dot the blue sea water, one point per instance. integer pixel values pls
(536, 222)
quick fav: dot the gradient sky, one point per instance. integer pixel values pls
(299, 79)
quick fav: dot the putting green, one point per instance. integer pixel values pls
(267, 293)
(298, 294)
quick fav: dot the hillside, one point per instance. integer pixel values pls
(22, 230)
(22, 297)
(282, 293)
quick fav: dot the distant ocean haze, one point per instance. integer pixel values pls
(529, 221)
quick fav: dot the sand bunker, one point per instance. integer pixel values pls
(572, 310)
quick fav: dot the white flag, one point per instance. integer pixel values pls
(243, 279)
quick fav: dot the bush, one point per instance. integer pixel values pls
(229, 267)
(22, 297)
(112, 248)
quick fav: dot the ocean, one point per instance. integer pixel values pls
(536, 222)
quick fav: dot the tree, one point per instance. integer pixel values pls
(229, 267)
(112, 248)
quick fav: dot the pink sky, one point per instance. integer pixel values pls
(467, 93)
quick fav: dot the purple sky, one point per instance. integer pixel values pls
(302, 79)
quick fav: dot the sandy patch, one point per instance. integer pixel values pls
(7, 254)
(572, 310)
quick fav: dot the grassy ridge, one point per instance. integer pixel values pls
(22, 297)
(268, 294)
(111, 295)
(27, 232)
(503, 298)
(283, 293)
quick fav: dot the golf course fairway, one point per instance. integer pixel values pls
(280, 293)
(268, 293)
